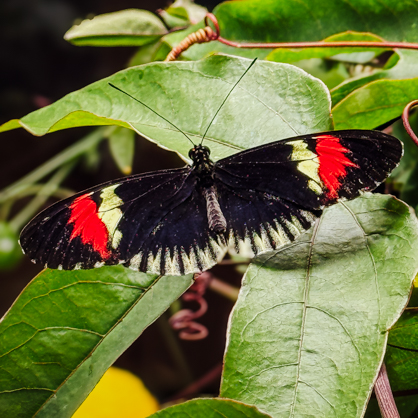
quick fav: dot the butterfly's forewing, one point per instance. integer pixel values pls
(275, 191)
(106, 224)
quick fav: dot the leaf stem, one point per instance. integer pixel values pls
(63, 157)
(39, 200)
(200, 384)
(384, 395)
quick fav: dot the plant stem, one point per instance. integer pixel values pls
(63, 157)
(197, 386)
(59, 193)
(224, 289)
(384, 395)
(42, 196)
(35, 189)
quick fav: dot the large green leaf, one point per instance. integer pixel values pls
(308, 333)
(402, 354)
(280, 101)
(210, 408)
(131, 27)
(310, 20)
(316, 19)
(67, 328)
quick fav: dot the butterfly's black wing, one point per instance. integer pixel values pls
(155, 223)
(269, 194)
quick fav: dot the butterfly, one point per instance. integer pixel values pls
(183, 220)
(180, 221)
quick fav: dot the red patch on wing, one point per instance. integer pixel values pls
(332, 163)
(88, 225)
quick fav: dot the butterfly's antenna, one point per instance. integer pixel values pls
(152, 110)
(226, 98)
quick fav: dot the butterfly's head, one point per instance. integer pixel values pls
(200, 155)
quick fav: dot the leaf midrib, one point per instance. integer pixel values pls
(304, 308)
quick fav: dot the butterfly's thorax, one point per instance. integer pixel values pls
(204, 167)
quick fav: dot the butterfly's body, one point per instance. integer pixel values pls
(204, 168)
(183, 220)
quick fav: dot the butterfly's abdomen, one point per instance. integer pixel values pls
(216, 218)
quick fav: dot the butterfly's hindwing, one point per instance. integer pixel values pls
(259, 222)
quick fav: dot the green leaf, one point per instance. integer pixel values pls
(332, 73)
(315, 20)
(130, 27)
(122, 147)
(308, 333)
(375, 104)
(148, 53)
(402, 354)
(352, 54)
(67, 328)
(310, 20)
(174, 20)
(402, 66)
(183, 12)
(210, 408)
(188, 8)
(280, 101)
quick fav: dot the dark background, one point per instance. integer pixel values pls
(38, 67)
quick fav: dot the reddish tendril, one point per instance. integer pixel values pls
(207, 34)
(184, 319)
(405, 120)
(199, 37)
